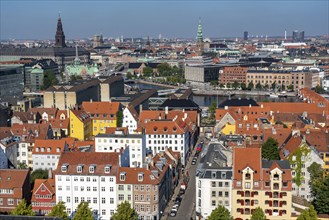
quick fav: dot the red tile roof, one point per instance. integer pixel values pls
(13, 179)
(103, 109)
(247, 157)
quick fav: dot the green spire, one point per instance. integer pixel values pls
(199, 34)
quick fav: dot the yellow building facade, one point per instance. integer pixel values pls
(80, 125)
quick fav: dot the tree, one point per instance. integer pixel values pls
(147, 71)
(164, 69)
(59, 210)
(270, 149)
(308, 214)
(258, 214)
(129, 75)
(212, 110)
(316, 177)
(22, 165)
(221, 85)
(228, 85)
(83, 212)
(23, 209)
(243, 86)
(250, 85)
(124, 211)
(290, 87)
(273, 85)
(49, 79)
(214, 82)
(319, 89)
(220, 213)
(119, 116)
(321, 200)
(235, 85)
(258, 86)
(38, 174)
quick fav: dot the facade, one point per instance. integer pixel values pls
(8, 149)
(130, 119)
(14, 186)
(80, 125)
(102, 114)
(325, 83)
(89, 177)
(233, 74)
(201, 73)
(46, 153)
(260, 183)
(214, 180)
(298, 36)
(119, 139)
(199, 39)
(43, 196)
(11, 80)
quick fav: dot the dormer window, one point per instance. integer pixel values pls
(140, 176)
(107, 169)
(213, 175)
(155, 129)
(37, 149)
(79, 168)
(64, 168)
(43, 188)
(223, 175)
(174, 129)
(248, 176)
(92, 168)
(58, 150)
(276, 176)
(42, 149)
(48, 149)
(122, 176)
(165, 129)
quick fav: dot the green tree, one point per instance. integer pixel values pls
(258, 214)
(290, 87)
(270, 149)
(266, 86)
(214, 82)
(235, 85)
(308, 214)
(316, 177)
(38, 174)
(49, 79)
(212, 110)
(258, 86)
(321, 200)
(75, 77)
(129, 75)
(319, 89)
(228, 85)
(119, 116)
(22, 165)
(250, 85)
(283, 87)
(147, 71)
(243, 86)
(23, 209)
(83, 212)
(273, 85)
(124, 211)
(220, 213)
(59, 210)
(164, 69)
(221, 85)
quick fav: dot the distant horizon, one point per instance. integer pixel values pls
(36, 20)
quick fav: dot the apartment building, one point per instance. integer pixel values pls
(233, 74)
(214, 180)
(14, 186)
(130, 119)
(102, 114)
(260, 183)
(8, 148)
(116, 139)
(80, 124)
(89, 177)
(43, 196)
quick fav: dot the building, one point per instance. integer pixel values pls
(70, 95)
(245, 35)
(325, 83)
(199, 38)
(98, 41)
(233, 74)
(43, 196)
(60, 53)
(8, 148)
(298, 36)
(116, 139)
(80, 124)
(46, 153)
(14, 186)
(130, 119)
(214, 180)
(260, 183)
(89, 177)
(201, 73)
(102, 114)
(11, 80)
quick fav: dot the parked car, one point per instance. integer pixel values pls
(181, 191)
(194, 160)
(173, 213)
(178, 199)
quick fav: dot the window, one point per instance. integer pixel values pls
(111, 189)
(121, 197)
(103, 200)
(111, 200)
(68, 199)
(213, 193)
(92, 168)
(76, 199)
(103, 179)
(88, 188)
(247, 185)
(103, 189)
(94, 188)
(67, 188)
(136, 197)
(121, 187)
(10, 201)
(103, 211)
(213, 184)
(213, 202)
(79, 168)
(122, 176)
(95, 200)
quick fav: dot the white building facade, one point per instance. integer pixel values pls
(129, 121)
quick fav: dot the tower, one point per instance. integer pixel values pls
(199, 38)
(245, 35)
(59, 37)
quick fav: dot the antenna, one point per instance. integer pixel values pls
(59, 14)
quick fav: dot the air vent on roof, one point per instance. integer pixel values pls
(155, 173)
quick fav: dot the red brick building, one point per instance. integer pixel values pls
(43, 196)
(14, 186)
(232, 74)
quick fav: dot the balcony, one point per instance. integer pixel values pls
(276, 186)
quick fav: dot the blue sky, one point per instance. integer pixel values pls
(220, 18)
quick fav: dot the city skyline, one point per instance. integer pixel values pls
(21, 20)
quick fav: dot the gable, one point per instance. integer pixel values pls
(43, 190)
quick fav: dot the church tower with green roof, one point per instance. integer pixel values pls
(199, 38)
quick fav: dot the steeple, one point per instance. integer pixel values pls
(59, 37)
(199, 38)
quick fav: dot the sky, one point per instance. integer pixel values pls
(113, 18)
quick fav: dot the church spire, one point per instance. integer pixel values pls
(59, 37)
(199, 38)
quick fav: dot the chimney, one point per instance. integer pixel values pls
(166, 110)
(185, 116)
(50, 174)
(261, 106)
(226, 107)
(140, 109)
(249, 105)
(91, 100)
